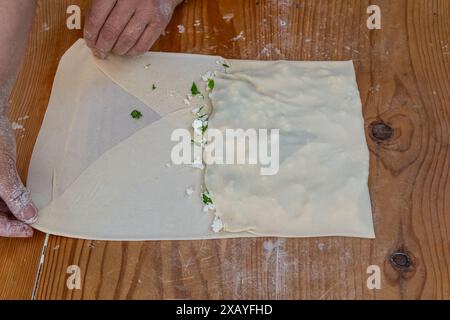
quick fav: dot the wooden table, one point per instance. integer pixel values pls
(403, 74)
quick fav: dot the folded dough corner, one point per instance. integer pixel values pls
(97, 173)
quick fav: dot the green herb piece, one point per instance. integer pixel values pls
(204, 128)
(194, 89)
(136, 114)
(206, 199)
(199, 115)
(225, 65)
(211, 84)
(153, 87)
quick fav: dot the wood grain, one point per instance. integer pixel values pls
(403, 76)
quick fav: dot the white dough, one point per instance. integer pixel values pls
(96, 173)
(321, 186)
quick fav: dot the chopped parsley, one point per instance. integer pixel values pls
(136, 114)
(200, 110)
(153, 87)
(225, 65)
(194, 89)
(204, 128)
(206, 199)
(210, 84)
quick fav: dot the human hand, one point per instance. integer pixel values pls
(17, 210)
(126, 27)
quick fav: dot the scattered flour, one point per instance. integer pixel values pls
(91, 244)
(45, 27)
(270, 246)
(279, 265)
(228, 17)
(181, 28)
(270, 50)
(17, 126)
(240, 36)
(189, 191)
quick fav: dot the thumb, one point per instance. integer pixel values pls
(14, 193)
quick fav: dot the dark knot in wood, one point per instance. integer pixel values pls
(400, 260)
(381, 132)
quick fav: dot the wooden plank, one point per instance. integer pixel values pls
(19, 259)
(403, 75)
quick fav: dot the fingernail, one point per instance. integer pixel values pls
(29, 214)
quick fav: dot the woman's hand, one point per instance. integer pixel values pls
(126, 27)
(17, 210)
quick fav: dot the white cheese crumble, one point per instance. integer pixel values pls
(197, 125)
(198, 164)
(207, 76)
(217, 224)
(189, 191)
(209, 207)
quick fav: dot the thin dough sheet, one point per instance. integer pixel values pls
(96, 173)
(321, 187)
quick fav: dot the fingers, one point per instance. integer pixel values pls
(126, 26)
(131, 35)
(95, 20)
(14, 193)
(13, 228)
(113, 28)
(146, 41)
